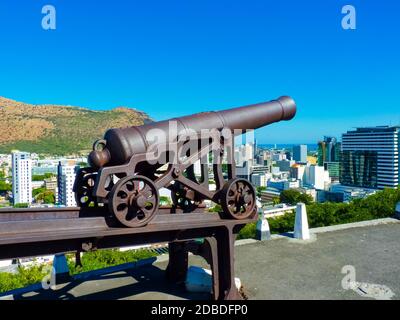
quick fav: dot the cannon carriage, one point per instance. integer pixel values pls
(129, 166)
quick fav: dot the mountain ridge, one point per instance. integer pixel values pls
(59, 129)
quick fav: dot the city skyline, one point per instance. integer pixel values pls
(163, 59)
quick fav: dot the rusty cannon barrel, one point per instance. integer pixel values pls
(120, 144)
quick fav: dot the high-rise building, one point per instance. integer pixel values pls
(284, 165)
(255, 148)
(370, 157)
(334, 170)
(21, 177)
(297, 171)
(244, 171)
(65, 180)
(300, 153)
(278, 156)
(328, 150)
(243, 153)
(317, 177)
(329, 156)
(259, 180)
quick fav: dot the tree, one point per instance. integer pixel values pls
(276, 200)
(41, 177)
(49, 198)
(37, 191)
(43, 195)
(259, 189)
(4, 186)
(292, 196)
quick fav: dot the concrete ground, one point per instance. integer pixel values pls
(284, 268)
(290, 269)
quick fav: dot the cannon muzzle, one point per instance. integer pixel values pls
(120, 144)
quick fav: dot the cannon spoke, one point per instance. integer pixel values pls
(134, 200)
(238, 199)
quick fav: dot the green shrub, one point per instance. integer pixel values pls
(106, 258)
(40, 177)
(282, 224)
(247, 232)
(4, 186)
(24, 277)
(21, 205)
(292, 196)
(379, 205)
(91, 261)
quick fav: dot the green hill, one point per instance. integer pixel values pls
(58, 130)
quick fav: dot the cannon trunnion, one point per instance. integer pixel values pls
(130, 165)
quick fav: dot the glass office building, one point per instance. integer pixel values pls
(329, 156)
(328, 150)
(370, 157)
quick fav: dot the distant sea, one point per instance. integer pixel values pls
(310, 147)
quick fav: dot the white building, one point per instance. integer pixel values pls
(283, 184)
(244, 170)
(66, 179)
(259, 179)
(298, 172)
(350, 192)
(291, 184)
(279, 156)
(21, 177)
(243, 153)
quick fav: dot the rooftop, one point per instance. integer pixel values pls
(374, 129)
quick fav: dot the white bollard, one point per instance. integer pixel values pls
(262, 229)
(301, 230)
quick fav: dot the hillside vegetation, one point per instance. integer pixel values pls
(58, 130)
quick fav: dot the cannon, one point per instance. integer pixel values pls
(129, 166)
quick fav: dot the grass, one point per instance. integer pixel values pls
(99, 259)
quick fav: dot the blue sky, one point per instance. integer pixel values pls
(177, 57)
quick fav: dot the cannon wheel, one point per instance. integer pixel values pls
(85, 186)
(238, 199)
(180, 199)
(134, 200)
